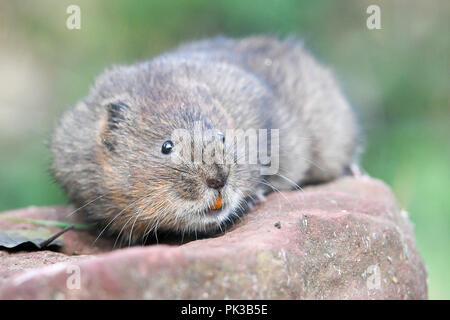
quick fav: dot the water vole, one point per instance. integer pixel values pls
(112, 150)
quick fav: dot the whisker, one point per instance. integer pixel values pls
(133, 203)
(85, 205)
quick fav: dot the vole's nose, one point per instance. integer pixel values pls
(215, 183)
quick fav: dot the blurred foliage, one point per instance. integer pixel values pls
(396, 77)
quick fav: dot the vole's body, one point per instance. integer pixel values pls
(108, 147)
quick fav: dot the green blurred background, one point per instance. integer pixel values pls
(397, 79)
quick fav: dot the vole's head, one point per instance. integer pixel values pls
(167, 161)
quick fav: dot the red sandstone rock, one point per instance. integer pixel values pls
(343, 240)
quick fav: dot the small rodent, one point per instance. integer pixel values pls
(111, 151)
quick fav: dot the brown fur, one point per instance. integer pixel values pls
(109, 145)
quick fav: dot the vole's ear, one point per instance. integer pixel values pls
(116, 112)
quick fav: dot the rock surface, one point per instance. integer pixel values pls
(343, 240)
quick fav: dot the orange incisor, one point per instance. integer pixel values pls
(217, 204)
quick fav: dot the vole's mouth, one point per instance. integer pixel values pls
(216, 207)
(217, 204)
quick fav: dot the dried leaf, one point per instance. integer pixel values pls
(28, 240)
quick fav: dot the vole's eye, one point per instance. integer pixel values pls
(221, 137)
(167, 147)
